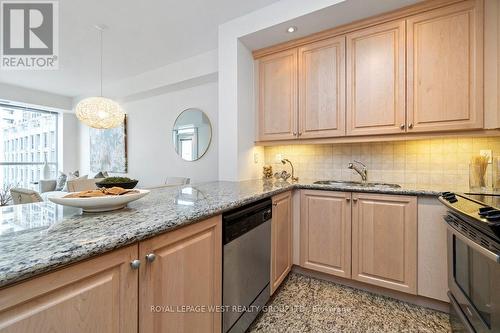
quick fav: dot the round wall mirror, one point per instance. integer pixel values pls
(192, 134)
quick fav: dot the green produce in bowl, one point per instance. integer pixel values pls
(114, 180)
(123, 182)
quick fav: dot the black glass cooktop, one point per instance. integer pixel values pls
(479, 210)
(491, 200)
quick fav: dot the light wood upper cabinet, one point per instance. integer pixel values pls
(325, 232)
(281, 239)
(384, 241)
(444, 67)
(98, 295)
(322, 89)
(422, 72)
(278, 96)
(186, 271)
(376, 80)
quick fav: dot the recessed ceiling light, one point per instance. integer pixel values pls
(291, 29)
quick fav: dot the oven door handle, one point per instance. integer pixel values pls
(487, 253)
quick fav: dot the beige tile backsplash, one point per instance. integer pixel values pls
(442, 163)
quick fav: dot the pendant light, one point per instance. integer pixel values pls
(100, 112)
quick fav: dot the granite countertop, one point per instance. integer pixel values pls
(37, 238)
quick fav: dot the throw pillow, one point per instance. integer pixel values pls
(72, 176)
(61, 181)
(101, 174)
(74, 184)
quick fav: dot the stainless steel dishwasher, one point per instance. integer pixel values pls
(247, 264)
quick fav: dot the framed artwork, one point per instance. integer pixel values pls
(108, 149)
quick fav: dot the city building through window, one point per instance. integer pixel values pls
(29, 138)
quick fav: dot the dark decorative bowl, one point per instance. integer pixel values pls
(125, 185)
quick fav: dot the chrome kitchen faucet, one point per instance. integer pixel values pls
(363, 171)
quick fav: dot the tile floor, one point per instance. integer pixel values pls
(305, 304)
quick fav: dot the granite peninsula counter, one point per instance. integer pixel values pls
(38, 238)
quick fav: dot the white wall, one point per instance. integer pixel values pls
(151, 154)
(250, 157)
(18, 94)
(236, 82)
(68, 142)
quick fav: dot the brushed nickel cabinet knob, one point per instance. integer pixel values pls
(410, 125)
(151, 257)
(135, 264)
(402, 126)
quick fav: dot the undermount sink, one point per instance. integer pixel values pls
(353, 183)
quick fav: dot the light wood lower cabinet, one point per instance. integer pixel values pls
(175, 292)
(384, 240)
(325, 229)
(371, 238)
(281, 239)
(98, 295)
(186, 271)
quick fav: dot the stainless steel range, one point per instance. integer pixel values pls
(473, 261)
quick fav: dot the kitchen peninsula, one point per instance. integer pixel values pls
(36, 242)
(171, 241)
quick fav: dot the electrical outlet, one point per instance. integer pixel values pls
(487, 153)
(256, 158)
(279, 157)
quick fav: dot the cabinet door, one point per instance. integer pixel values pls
(384, 241)
(376, 80)
(185, 272)
(445, 69)
(322, 89)
(98, 295)
(325, 233)
(278, 96)
(281, 239)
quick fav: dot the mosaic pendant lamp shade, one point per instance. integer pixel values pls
(100, 112)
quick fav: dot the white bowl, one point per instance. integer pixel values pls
(100, 204)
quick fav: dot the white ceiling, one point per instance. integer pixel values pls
(329, 17)
(148, 34)
(143, 35)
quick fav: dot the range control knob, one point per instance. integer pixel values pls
(450, 197)
(483, 211)
(493, 215)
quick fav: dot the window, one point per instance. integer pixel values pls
(187, 142)
(27, 134)
(187, 149)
